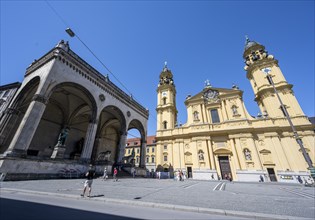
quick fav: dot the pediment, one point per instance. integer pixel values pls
(222, 151)
(217, 93)
(188, 153)
(165, 165)
(265, 151)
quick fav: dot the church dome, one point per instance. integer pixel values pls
(249, 43)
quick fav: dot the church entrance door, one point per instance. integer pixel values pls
(189, 172)
(272, 175)
(224, 166)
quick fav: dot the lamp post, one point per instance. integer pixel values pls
(296, 136)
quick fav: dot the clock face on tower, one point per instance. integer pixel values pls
(164, 94)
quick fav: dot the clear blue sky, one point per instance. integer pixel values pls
(199, 39)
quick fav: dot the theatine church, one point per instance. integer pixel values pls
(221, 139)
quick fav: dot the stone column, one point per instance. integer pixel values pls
(235, 154)
(7, 123)
(211, 156)
(142, 153)
(89, 142)
(26, 130)
(238, 146)
(224, 106)
(252, 142)
(122, 145)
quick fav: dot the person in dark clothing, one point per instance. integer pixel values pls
(300, 179)
(89, 180)
(261, 178)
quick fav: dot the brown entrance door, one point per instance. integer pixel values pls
(272, 175)
(224, 166)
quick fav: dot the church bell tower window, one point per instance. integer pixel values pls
(165, 124)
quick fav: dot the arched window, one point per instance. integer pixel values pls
(152, 159)
(165, 157)
(165, 124)
(215, 116)
(164, 101)
(283, 110)
(147, 159)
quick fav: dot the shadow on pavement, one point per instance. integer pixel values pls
(15, 209)
(101, 195)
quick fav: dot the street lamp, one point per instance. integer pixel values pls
(296, 136)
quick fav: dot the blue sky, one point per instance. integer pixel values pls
(199, 39)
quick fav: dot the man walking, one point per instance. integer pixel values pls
(105, 174)
(89, 180)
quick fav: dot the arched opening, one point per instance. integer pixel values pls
(164, 124)
(111, 126)
(133, 148)
(136, 130)
(164, 101)
(70, 106)
(15, 113)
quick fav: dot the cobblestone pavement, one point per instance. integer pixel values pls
(261, 200)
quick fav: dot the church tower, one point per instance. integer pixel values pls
(256, 60)
(166, 101)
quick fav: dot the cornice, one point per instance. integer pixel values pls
(260, 64)
(42, 61)
(77, 64)
(247, 129)
(266, 90)
(166, 87)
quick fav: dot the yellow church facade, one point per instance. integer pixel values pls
(221, 139)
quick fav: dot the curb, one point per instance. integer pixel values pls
(232, 213)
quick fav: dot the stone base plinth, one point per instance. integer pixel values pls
(58, 152)
(24, 169)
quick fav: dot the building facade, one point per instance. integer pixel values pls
(220, 138)
(64, 116)
(133, 150)
(6, 95)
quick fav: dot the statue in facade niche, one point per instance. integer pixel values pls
(196, 116)
(234, 110)
(62, 137)
(201, 157)
(247, 154)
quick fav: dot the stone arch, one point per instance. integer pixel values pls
(136, 124)
(69, 105)
(15, 113)
(111, 126)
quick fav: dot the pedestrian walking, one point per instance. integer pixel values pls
(261, 179)
(181, 178)
(105, 174)
(115, 174)
(230, 177)
(134, 172)
(89, 180)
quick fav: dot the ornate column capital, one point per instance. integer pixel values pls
(12, 111)
(40, 98)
